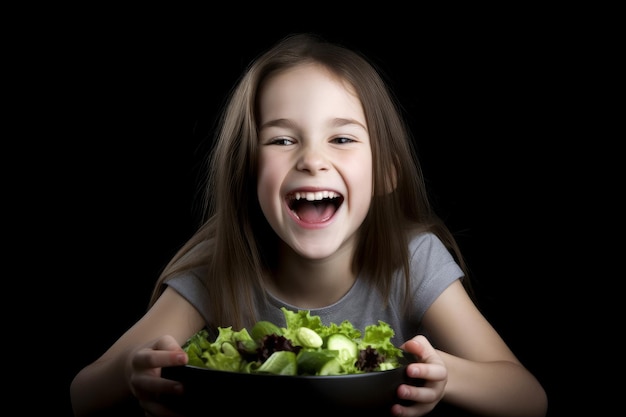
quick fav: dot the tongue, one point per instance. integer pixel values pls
(316, 213)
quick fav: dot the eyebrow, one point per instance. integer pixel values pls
(336, 122)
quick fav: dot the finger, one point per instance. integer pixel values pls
(167, 343)
(420, 347)
(147, 387)
(423, 394)
(413, 348)
(148, 358)
(427, 371)
(414, 409)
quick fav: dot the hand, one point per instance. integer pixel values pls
(145, 379)
(431, 369)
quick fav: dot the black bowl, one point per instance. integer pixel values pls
(207, 390)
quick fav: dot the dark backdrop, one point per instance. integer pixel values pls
(133, 104)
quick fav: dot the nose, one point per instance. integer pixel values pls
(312, 160)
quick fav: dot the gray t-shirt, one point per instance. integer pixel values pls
(432, 270)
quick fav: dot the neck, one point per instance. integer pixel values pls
(312, 283)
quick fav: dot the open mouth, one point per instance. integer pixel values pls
(314, 207)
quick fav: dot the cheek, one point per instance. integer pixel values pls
(362, 173)
(361, 183)
(365, 188)
(268, 183)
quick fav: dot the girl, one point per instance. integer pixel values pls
(315, 200)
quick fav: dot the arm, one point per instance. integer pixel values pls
(132, 365)
(472, 367)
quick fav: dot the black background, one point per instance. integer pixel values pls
(126, 108)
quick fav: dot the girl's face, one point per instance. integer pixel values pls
(315, 161)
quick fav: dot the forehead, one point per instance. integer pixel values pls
(311, 87)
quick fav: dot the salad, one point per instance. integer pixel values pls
(304, 347)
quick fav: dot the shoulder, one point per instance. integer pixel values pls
(190, 284)
(424, 238)
(427, 246)
(432, 270)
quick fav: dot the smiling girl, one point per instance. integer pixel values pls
(315, 201)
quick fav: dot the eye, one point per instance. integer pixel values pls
(281, 141)
(342, 139)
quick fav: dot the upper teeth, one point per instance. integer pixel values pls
(318, 195)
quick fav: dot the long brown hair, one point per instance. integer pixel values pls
(236, 243)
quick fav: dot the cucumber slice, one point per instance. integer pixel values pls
(308, 338)
(280, 363)
(347, 349)
(310, 362)
(332, 367)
